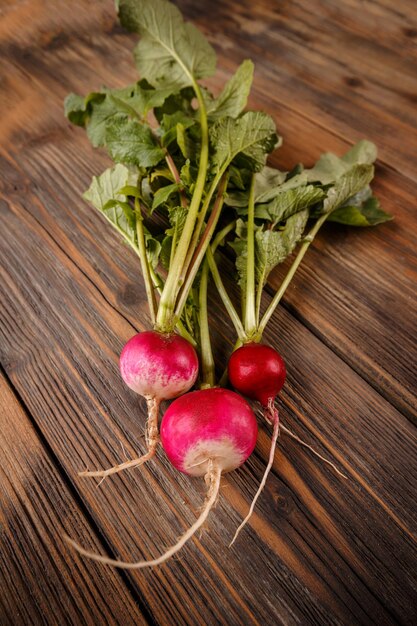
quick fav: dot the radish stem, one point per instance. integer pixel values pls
(225, 297)
(249, 301)
(176, 176)
(150, 293)
(165, 321)
(206, 353)
(207, 360)
(202, 246)
(303, 249)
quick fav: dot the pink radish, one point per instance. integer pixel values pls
(204, 433)
(158, 367)
(258, 372)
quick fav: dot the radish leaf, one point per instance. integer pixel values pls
(350, 183)
(366, 213)
(129, 141)
(104, 194)
(233, 99)
(250, 137)
(273, 247)
(163, 194)
(171, 53)
(289, 202)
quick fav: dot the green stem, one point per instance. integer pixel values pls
(206, 354)
(164, 319)
(250, 317)
(225, 297)
(207, 360)
(202, 247)
(303, 249)
(176, 176)
(201, 217)
(150, 293)
(158, 284)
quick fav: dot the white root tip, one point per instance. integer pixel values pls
(274, 418)
(152, 440)
(214, 476)
(289, 432)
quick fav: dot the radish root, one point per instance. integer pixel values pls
(272, 416)
(213, 477)
(289, 432)
(152, 440)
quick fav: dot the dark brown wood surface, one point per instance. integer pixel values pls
(319, 549)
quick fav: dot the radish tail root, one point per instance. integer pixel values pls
(152, 440)
(272, 416)
(213, 477)
(289, 432)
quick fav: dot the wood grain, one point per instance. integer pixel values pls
(40, 581)
(319, 550)
(96, 340)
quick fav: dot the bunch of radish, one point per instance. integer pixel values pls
(184, 162)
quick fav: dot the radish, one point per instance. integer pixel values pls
(258, 372)
(158, 367)
(204, 433)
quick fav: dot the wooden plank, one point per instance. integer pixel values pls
(73, 379)
(40, 581)
(347, 81)
(331, 552)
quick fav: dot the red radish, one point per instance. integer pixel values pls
(204, 433)
(214, 425)
(158, 367)
(258, 372)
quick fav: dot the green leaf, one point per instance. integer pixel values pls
(368, 213)
(177, 216)
(130, 190)
(181, 101)
(165, 255)
(129, 141)
(143, 98)
(153, 248)
(251, 137)
(74, 109)
(170, 124)
(273, 247)
(105, 196)
(234, 97)
(350, 183)
(331, 167)
(288, 202)
(171, 53)
(163, 194)
(100, 119)
(362, 152)
(267, 183)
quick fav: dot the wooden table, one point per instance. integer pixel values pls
(320, 549)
